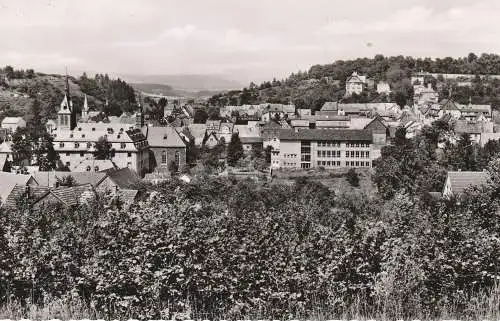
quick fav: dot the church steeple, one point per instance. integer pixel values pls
(85, 110)
(66, 118)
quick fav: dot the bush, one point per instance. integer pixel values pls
(352, 177)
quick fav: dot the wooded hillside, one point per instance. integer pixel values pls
(310, 89)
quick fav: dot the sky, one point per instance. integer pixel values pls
(241, 40)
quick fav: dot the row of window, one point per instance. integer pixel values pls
(328, 144)
(89, 145)
(357, 145)
(347, 164)
(357, 154)
(328, 153)
(357, 164)
(348, 154)
(164, 158)
(82, 154)
(289, 155)
(329, 163)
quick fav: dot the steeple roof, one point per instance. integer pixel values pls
(85, 103)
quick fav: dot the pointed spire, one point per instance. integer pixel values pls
(85, 103)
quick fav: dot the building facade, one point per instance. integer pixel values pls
(355, 84)
(166, 147)
(313, 148)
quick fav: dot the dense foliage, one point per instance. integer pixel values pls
(118, 95)
(321, 83)
(231, 248)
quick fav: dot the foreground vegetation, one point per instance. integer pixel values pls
(217, 247)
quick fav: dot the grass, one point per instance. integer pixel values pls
(482, 306)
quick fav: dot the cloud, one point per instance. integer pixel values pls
(474, 17)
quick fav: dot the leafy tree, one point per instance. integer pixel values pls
(103, 149)
(67, 181)
(200, 116)
(234, 150)
(22, 146)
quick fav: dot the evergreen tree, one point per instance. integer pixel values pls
(234, 150)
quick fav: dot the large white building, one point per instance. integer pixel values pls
(76, 141)
(355, 84)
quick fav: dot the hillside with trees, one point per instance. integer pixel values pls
(19, 89)
(321, 83)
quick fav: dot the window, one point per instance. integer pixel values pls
(70, 135)
(88, 168)
(328, 153)
(129, 154)
(319, 153)
(82, 155)
(357, 154)
(67, 164)
(352, 154)
(346, 153)
(67, 154)
(123, 145)
(338, 154)
(357, 164)
(164, 157)
(83, 135)
(93, 129)
(319, 163)
(61, 145)
(367, 154)
(96, 169)
(129, 164)
(362, 153)
(89, 145)
(77, 145)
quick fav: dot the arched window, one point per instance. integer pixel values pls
(164, 157)
(177, 159)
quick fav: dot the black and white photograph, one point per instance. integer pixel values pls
(258, 160)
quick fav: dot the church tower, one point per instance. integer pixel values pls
(66, 117)
(85, 110)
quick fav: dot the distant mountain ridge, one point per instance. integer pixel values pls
(190, 83)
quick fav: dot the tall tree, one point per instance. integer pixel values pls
(234, 150)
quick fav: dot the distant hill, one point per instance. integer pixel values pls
(166, 90)
(189, 83)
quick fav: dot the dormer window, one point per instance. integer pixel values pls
(83, 135)
(118, 136)
(79, 129)
(123, 145)
(77, 145)
(93, 129)
(89, 145)
(61, 145)
(70, 135)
